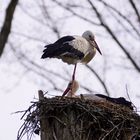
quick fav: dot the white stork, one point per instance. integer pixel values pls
(73, 49)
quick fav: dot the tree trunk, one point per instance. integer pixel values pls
(6, 28)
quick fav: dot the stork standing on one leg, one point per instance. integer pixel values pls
(73, 50)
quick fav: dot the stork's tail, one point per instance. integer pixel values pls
(48, 51)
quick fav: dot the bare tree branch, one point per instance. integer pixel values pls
(121, 15)
(48, 17)
(29, 37)
(31, 16)
(114, 37)
(6, 28)
(75, 14)
(30, 68)
(135, 9)
(99, 78)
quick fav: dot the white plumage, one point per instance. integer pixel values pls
(73, 49)
(83, 46)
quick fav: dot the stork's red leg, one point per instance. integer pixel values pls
(73, 75)
(73, 79)
(69, 88)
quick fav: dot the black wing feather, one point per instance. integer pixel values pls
(64, 40)
(62, 48)
(72, 52)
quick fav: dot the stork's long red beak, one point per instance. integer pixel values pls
(94, 44)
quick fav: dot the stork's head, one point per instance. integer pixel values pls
(89, 36)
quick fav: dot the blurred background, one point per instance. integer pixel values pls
(27, 26)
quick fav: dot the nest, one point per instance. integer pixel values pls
(79, 119)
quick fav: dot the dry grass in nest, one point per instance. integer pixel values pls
(80, 120)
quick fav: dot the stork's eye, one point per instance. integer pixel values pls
(90, 36)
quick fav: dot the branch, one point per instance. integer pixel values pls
(121, 15)
(28, 36)
(113, 36)
(75, 14)
(135, 9)
(47, 16)
(25, 11)
(34, 70)
(98, 77)
(5, 31)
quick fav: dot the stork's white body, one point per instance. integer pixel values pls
(73, 50)
(81, 44)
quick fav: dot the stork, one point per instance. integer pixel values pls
(73, 49)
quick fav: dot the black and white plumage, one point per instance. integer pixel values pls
(73, 49)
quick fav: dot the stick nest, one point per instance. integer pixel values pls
(79, 119)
